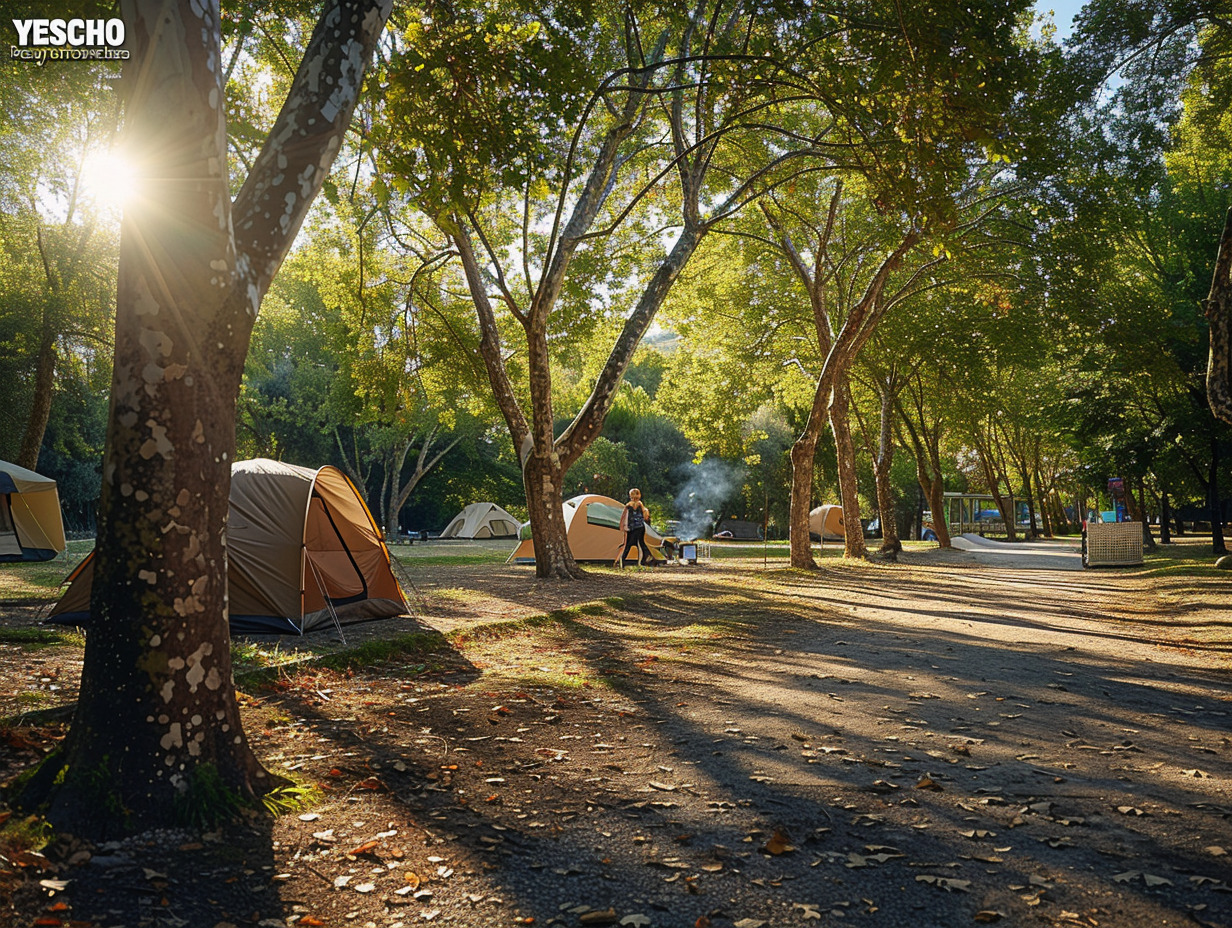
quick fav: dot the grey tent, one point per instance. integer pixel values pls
(482, 520)
(303, 553)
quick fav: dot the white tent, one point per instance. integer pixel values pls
(30, 525)
(482, 520)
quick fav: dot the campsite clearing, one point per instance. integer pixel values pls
(929, 743)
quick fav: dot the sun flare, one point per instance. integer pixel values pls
(109, 178)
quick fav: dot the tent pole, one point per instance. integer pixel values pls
(328, 605)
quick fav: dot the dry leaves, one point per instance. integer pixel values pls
(779, 843)
(944, 882)
(1129, 876)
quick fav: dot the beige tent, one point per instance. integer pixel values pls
(303, 553)
(482, 520)
(30, 525)
(826, 522)
(592, 525)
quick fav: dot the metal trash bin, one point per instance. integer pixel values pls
(1112, 544)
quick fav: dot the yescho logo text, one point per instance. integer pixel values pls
(42, 40)
(74, 32)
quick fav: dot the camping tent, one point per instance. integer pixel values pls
(303, 553)
(30, 525)
(826, 522)
(738, 530)
(592, 525)
(482, 520)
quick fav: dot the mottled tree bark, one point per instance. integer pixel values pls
(156, 738)
(1218, 310)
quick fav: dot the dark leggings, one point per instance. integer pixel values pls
(634, 539)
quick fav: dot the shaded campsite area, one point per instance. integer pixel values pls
(937, 742)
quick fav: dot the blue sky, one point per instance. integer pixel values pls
(1064, 13)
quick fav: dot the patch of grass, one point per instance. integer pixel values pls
(33, 699)
(41, 580)
(39, 637)
(248, 655)
(436, 560)
(409, 645)
(494, 631)
(30, 833)
(296, 796)
(412, 646)
(208, 801)
(1185, 570)
(456, 595)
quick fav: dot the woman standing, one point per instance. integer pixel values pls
(633, 521)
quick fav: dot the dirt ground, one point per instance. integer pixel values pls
(951, 740)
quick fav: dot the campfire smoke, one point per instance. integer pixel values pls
(707, 487)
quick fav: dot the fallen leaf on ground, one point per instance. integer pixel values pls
(927, 782)
(601, 917)
(989, 915)
(944, 882)
(779, 843)
(1215, 850)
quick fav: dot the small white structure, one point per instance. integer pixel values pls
(482, 520)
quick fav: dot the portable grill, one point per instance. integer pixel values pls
(685, 552)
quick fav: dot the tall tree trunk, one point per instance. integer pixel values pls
(1165, 518)
(44, 384)
(1136, 503)
(840, 404)
(993, 475)
(803, 465)
(156, 738)
(1214, 503)
(886, 508)
(543, 477)
(926, 445)
(1218, 310)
